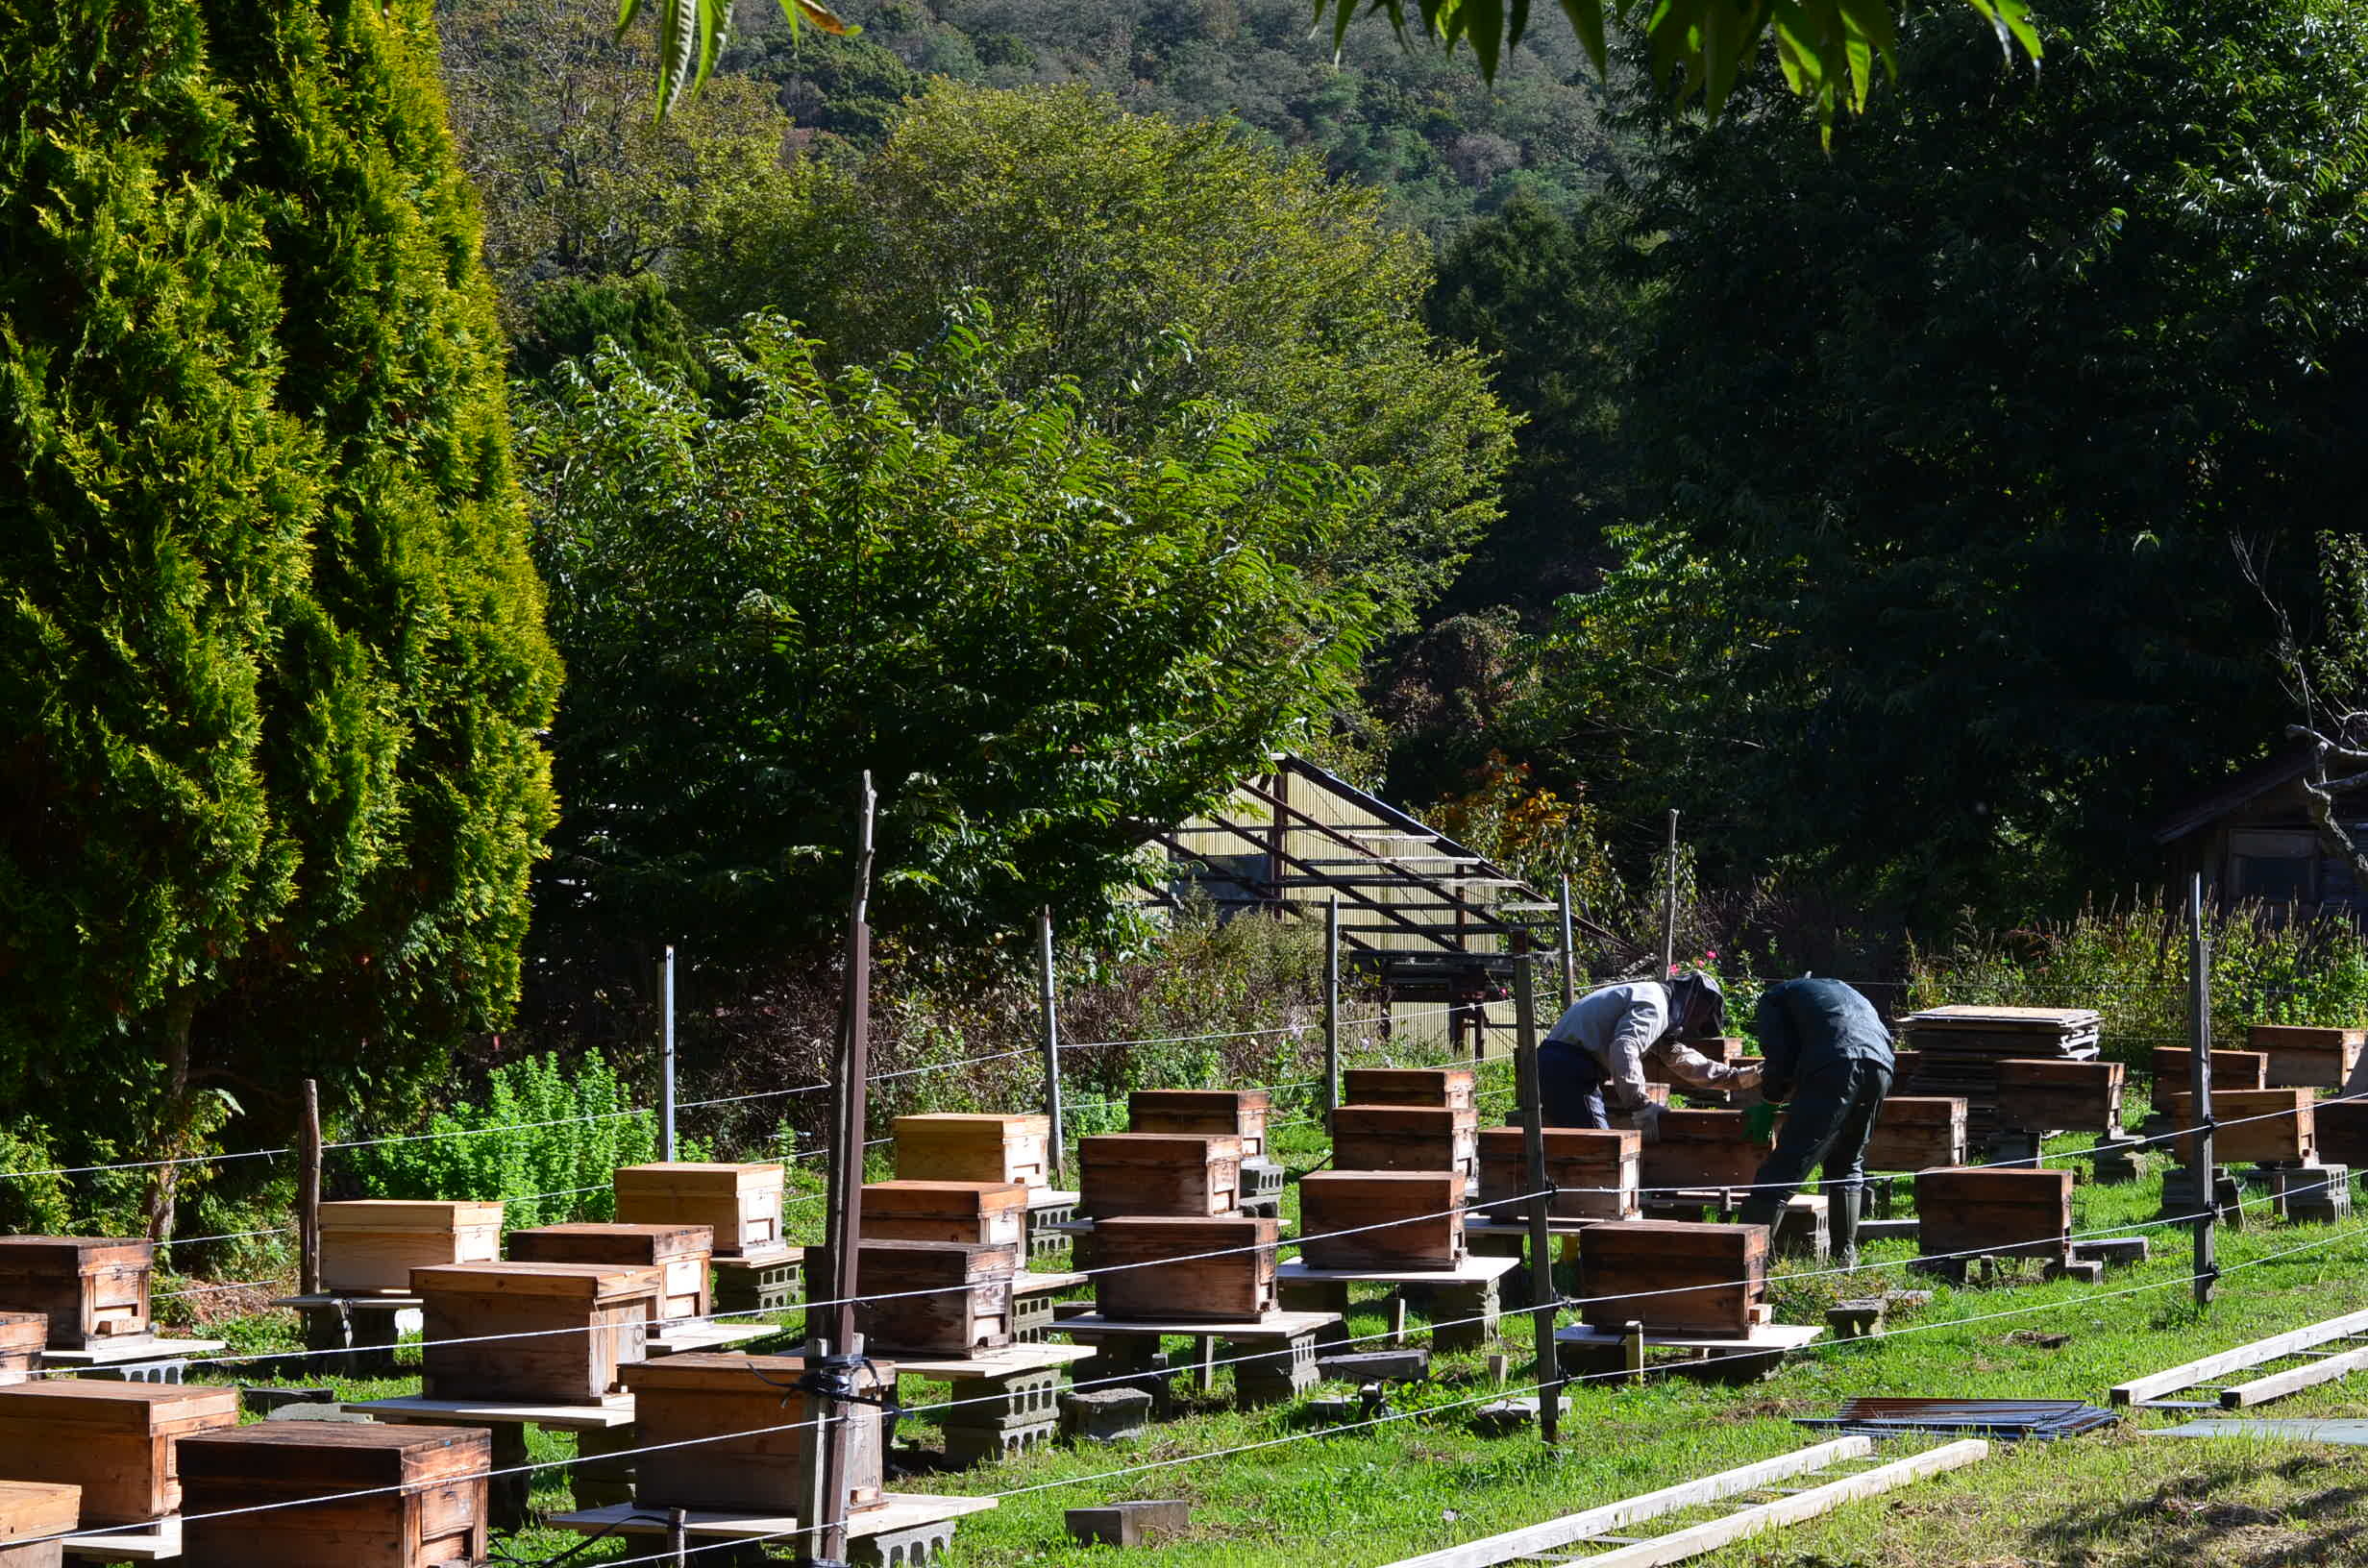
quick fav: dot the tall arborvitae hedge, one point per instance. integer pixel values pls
(272, 664)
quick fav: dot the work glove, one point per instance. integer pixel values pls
(1747, 1074)
(1760, 1122)
(1647, 1118)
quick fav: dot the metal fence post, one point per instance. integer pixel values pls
(666, 1054)
(1052, 1038)
(2199, 1040)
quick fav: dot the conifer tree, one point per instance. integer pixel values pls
(272, 664)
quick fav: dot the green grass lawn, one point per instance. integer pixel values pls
(1372, 1495)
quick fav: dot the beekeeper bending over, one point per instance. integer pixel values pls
(1596, 1051)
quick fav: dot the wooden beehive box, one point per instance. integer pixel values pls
(740, 1203)
(1595, 1173)
(1240, 1112)
(2173, 1064)
(372, 1245)
(1406, 1138)
(1917, 1132)
(2340, 1129)
(116, 1441)
(946, 1298)
(1187, 1174)
(2016, 1213)
(29, 1511)
(22, 1336)
(749, 1402)
(1219, 1271)
(987, 1213)
(2059, 1096)
(679, 1253)
(92, 1290)
(946, 1148)
(2302, 1056)
(1674, 1278)
(575, 1323)
(2270, 1126)
(1702, 1148)
(1455, 1088)
(1426, 1205)
(420, 1498)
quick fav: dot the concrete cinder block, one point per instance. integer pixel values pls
(1377, 1366)
(1128, 1523)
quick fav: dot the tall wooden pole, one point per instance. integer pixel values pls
(1050, 1003)
(1331, 1010)
(309, 1195)
(827, 1490)
(1669, 928)
(1541, 1292)
(2199, 1041)
(1571, 962)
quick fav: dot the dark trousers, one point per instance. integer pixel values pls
(1827, 1123)
(1570, 1085)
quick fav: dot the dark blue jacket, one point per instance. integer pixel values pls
(1804, 1025)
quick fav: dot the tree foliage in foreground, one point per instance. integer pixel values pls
(271, 655)
(1035, 635)
(1152, 264)
(1969, 435)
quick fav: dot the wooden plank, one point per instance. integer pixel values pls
(616, 1411)
(2277, 1384)
(2188, 1374)
(156, 1542)
(1578, 1527)
(902, 1511)
(1679, 1545)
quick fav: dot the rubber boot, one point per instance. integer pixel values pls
(1760, 1209)
(1842, 1218)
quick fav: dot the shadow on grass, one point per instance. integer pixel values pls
(2204, 1519)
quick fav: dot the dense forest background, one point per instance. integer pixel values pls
(1054, 411)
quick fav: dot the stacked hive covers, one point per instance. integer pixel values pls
(1959, 1048)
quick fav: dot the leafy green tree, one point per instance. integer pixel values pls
(271, 655)
(1036, 635)
(1969, 435)
(1152, 264)
(570, 316)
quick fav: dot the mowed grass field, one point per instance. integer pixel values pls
(1276, 1487)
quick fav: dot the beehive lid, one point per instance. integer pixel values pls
(1198, 1230)
(130, 1407)
(1158, 1148)
(919, 1197)
(578, 1281)
(716, 1372)
(38, 1507)
(971, 1123)
(1367, 1179)
(26, 1327)
(409, 1215)
(1196, 1101)
(690, 1178)
(664, 1240)
(69, 1250)
(336, 1454)
(1563, 1142)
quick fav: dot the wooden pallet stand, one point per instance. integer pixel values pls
(2267, 1126)
(1969, 1212)
(2047, 1095)
(1463, 1303)
(1595, 1173)
(372, 1245)
(425, 1499)
(1236, 1112)
(365, 1329)
(1587, 1350)
(2171, 1068)
(944, 1298)
(114, 1440)
(1407, 1137)
(1191, 1175)
(602, 1428)
(2302, 1056)
(908, 1531)
(1419, 1214)
(22, 1335)
(29, 1511)
(740, 1203)
(748, 1407)
(1702, 1148)
(1454, 1089)
(679, 1253)
(952, 1148)
(575, 1323)
(1708, 1281)
(92, 1290)
(1001, 1402)
(982, 1214)
(1222, 1270)
(1274, 1359)
(1915, 1131)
